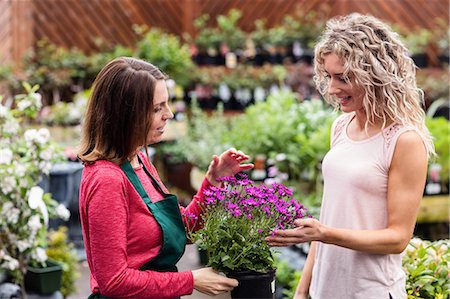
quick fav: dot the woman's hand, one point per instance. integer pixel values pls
(307, 230)
(210, 282)
(227, 164)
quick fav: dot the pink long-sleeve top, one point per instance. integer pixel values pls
(121, 235)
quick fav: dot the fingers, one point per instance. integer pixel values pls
(285, 241)
(246, 166)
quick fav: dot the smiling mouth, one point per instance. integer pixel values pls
(345, 100)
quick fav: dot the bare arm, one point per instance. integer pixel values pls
(302, 290)
(406, 181)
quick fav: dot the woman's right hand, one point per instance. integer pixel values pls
(210, 282)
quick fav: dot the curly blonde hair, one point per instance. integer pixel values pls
(374, 55)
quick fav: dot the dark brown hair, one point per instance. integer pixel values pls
(120, 110)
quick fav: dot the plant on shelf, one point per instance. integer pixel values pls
(283, 125)
(206, 136)
(231, 35)
(427, 266)
(237, 217)
(440, 130)
(25, 157)
(208, 38)
(440, 37)
(166, 51)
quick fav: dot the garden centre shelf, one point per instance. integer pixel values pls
(434, 209)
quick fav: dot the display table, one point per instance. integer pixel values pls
(434, 209)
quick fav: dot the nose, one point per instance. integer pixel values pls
(333, 88)
(168, 114)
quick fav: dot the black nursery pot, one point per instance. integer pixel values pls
(254, 285)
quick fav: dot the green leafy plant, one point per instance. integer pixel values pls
(207, 37)
(165, 51)
(229, 30)
(415, 40)
(25, 156)
(283, 125)
(440, 130)
(286, 277)
(173, 152)
(206, 136)
(236, 219)
(427, 266)
(62, 251)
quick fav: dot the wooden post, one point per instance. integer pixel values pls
(190, 9)
(22, 31)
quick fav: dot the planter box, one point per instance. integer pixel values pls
(44, 280)
(434, 209)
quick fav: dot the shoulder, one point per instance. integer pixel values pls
(410, 147)
(104, 172)
(338, 126)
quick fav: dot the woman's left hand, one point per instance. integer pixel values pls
(227, 164)
(307, 230)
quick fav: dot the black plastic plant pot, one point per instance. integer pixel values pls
(254, 285)
(44, 281)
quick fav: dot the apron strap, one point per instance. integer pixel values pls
(132, 176)
(154, 180)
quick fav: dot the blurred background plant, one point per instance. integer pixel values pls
(62, 251)
(26, 155)
(427, 266)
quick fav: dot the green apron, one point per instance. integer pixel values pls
(167, 214)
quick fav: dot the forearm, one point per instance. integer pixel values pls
(384, 241)
(305, 279)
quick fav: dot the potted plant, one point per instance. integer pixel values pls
(236, 219)
(167, 52)
(62, 251)
(417, 41)
(427, 265)
(25, 157)
(177, 168)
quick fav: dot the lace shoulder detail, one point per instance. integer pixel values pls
(339, 126)
(390, 133)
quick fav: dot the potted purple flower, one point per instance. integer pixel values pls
(237, 217)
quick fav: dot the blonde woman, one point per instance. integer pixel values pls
(375, 171)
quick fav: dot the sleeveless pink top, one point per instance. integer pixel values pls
(355, 197)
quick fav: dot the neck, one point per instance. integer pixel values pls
(361, 119)
(134, 161)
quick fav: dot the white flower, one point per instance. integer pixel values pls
(10, 127)
(10, 263)
(35, 202)
(34, 223)
(3, 111)
(8, 184)
(43, 136)
(45, 167)
(35, 197)
(6, 156)
(281, 157)
(10, 213)
(13, 216)
(63, 212)
(46, 154)
(23, 245)
(37, 97)
(39, 255)
(19, 169)
(24, 104)
(30, 136)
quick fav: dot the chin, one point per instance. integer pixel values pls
(154, 140)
